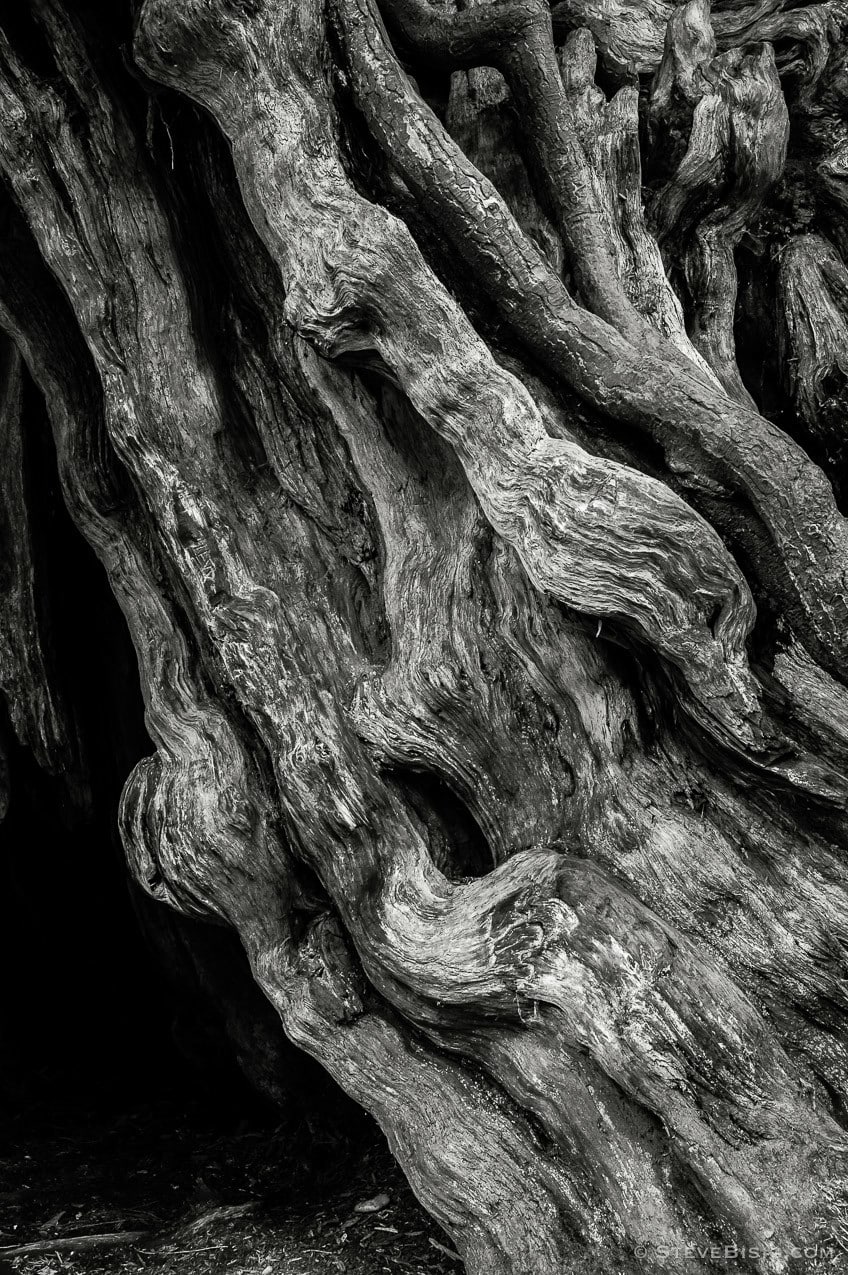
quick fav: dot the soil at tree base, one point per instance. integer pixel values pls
(239, 1193)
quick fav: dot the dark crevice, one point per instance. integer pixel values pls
(86, 1002)
(29, 42)
(457, 844)
(114, 998)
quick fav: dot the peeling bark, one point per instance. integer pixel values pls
(494, 665)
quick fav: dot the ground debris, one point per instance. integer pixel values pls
(175, 1189)
(375, 1205)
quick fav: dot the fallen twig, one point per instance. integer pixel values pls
(75, 1243)
(113, 1239)
(222, 1213)
(203, 1248)
(444, 1249)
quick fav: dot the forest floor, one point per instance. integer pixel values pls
(205, 1194)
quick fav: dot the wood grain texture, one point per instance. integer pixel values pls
(731, 105)
(530, 823)
(27, 676)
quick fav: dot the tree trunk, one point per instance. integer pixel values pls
(461, 427)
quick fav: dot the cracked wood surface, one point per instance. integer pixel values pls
(457, 721)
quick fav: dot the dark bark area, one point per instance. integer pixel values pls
(407, 373)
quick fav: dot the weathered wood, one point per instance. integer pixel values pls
(814, 293)
(465, 721)
(730, 111)
(27, 679)
(745, 453)
(631, 37)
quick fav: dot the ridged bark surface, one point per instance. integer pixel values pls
(454, 397)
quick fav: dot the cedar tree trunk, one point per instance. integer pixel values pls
(455, 396)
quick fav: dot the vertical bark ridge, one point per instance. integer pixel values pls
(700, 433)
(813, 288)
(202, 834)
(26, 673)
(517, 39)
(479, 117)
(448, 703)
(609, 132)
(562, 997)
(533, 465)
(736, 151)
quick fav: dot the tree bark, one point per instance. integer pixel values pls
(491, 624)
